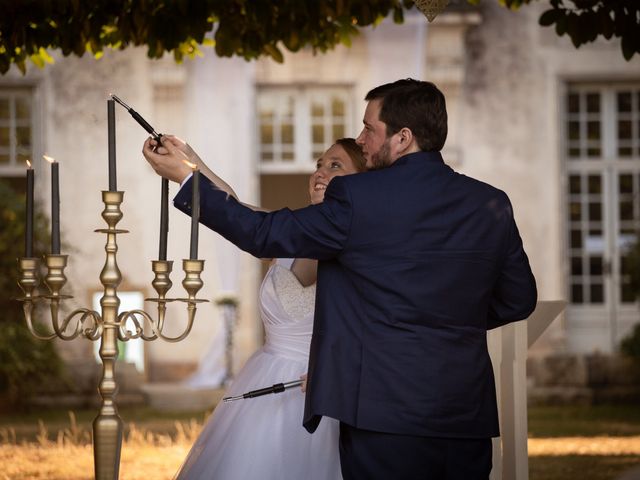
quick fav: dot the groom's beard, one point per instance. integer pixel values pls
(382, 158)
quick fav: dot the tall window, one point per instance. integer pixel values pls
(16, 130)
(603, 189)
(296, 125)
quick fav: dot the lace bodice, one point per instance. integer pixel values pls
(286, 308)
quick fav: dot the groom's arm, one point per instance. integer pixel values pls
(318, 231)
(515, 293)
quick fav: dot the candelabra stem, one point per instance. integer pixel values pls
(107, 427)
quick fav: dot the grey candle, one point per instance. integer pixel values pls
(55, 209)
(111, 133)
(164, 219)
(28, 233)
(195, 214)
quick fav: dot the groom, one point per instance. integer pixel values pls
(416, 263)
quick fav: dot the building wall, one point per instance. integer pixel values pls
(503, 76)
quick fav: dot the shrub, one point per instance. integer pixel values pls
(27, 365)
(630, 345)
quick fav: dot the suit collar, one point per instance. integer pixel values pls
(419, 157)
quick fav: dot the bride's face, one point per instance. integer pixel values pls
(335, 162)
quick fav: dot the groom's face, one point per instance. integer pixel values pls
(373, 138)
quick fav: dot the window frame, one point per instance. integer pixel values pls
(303, 147)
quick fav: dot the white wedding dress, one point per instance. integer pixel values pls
(263, 437)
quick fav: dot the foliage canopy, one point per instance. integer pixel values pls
(252, 28)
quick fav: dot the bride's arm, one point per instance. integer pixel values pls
(194, 158)
(305, 270)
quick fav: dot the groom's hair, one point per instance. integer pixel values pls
(416, 105)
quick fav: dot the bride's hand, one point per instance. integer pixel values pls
(303, 387)
(185, 148)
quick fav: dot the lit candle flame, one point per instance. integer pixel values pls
(49, 159)
(28, 163)
(192, 165)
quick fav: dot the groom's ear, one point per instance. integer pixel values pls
(406, 141)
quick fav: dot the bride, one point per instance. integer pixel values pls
(263, 438)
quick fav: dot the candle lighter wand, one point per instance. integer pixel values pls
(138, 118)
(276, 388)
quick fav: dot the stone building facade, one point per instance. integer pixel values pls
(557, 128)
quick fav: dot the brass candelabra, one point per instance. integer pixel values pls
(107, 326)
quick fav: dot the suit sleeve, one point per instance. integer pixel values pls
(317, 231)
(515, 294)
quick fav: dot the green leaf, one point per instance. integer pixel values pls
(548, 18)
(274, 53)
(628, 47)
(561, 24)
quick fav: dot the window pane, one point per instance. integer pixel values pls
(593, 152)
(573, 152)
(266, 134)
(286, 132)
(626, 293)
(574, 184)
(4, 109)
(624, 151)
(267, 156)
(4, 158)
(338, 131)
(23, 135)
(576, 239)
(593, 102)
(23, 108)
(317, 109)
(576, 293)
(595, 266)
(626, 210)
(573, 103)
(593, 130)
(576, 265)
(595, 211)
(595, 184)
(4, 136)
(337, 107)
(597, 293)
(317, 134)
(575, 211)
(574, 130)
(624, 129)
(624, 101)
(23, 156)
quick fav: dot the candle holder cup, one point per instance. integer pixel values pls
(107, 325)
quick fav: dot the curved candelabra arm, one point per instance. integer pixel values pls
(162, 283)
(192, 283)
(28, 310)
(124, 334)
(28, 282)
(93, 331)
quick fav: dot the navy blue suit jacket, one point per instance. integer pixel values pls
(417, 262)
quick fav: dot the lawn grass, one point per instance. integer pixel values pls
(581, 467)
(26, 425)
(582, 421)
(545, 422)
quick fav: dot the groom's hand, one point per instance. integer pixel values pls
(303, 387)
(168, 161)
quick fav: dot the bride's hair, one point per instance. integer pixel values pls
(354, 151)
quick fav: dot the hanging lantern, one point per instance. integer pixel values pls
(431, 8)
